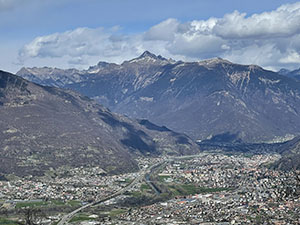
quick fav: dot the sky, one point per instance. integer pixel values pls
(80, 33)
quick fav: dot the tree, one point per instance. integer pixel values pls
(31, 216)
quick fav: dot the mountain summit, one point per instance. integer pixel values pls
(204, 99)
(150, 58)
(44, 128)
(148, 54)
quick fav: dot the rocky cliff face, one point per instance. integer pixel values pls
(45, 127)
(202, 99)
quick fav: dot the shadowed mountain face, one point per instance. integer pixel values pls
(290, 152)
(209, 99)
(45, 127)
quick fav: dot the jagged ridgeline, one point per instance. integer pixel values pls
(45, 127)
(209, 99)
(292, 74)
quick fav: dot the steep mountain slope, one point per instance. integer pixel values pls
(202, 99)
(290, 152)
(108, 83)
(45, 127)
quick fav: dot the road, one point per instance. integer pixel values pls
(139, 178)
(147, 176)
(161, 164)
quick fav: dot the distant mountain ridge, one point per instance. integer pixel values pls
(202, 99)
(293, 74)
(51, 76)
(44, 128)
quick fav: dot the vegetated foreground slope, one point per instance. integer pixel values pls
(44, 127)
(202, 99)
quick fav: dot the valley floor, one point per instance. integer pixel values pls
(210, 188)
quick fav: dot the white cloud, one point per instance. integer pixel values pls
(164, 31)
(79, 43)
(291, 57)
(193, 45)
(282, 22)
(270, 39)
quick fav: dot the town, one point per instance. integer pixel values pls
(237, 191)
(207, 188)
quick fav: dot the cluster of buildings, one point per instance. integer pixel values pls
(236, 189)
(82, 184)
(255, 195)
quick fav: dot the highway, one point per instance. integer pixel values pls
(161, 164)
(141, 176)
(147, 176)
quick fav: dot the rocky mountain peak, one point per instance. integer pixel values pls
(147, 54)
(148, 57)
(283, 71)
(209, 97)
(23, 70)
(81, 132)
(214, 61)
(50, 76)
(100, 66)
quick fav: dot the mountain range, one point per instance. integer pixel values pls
(290, 73)
(210, 99)
(45, 128)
